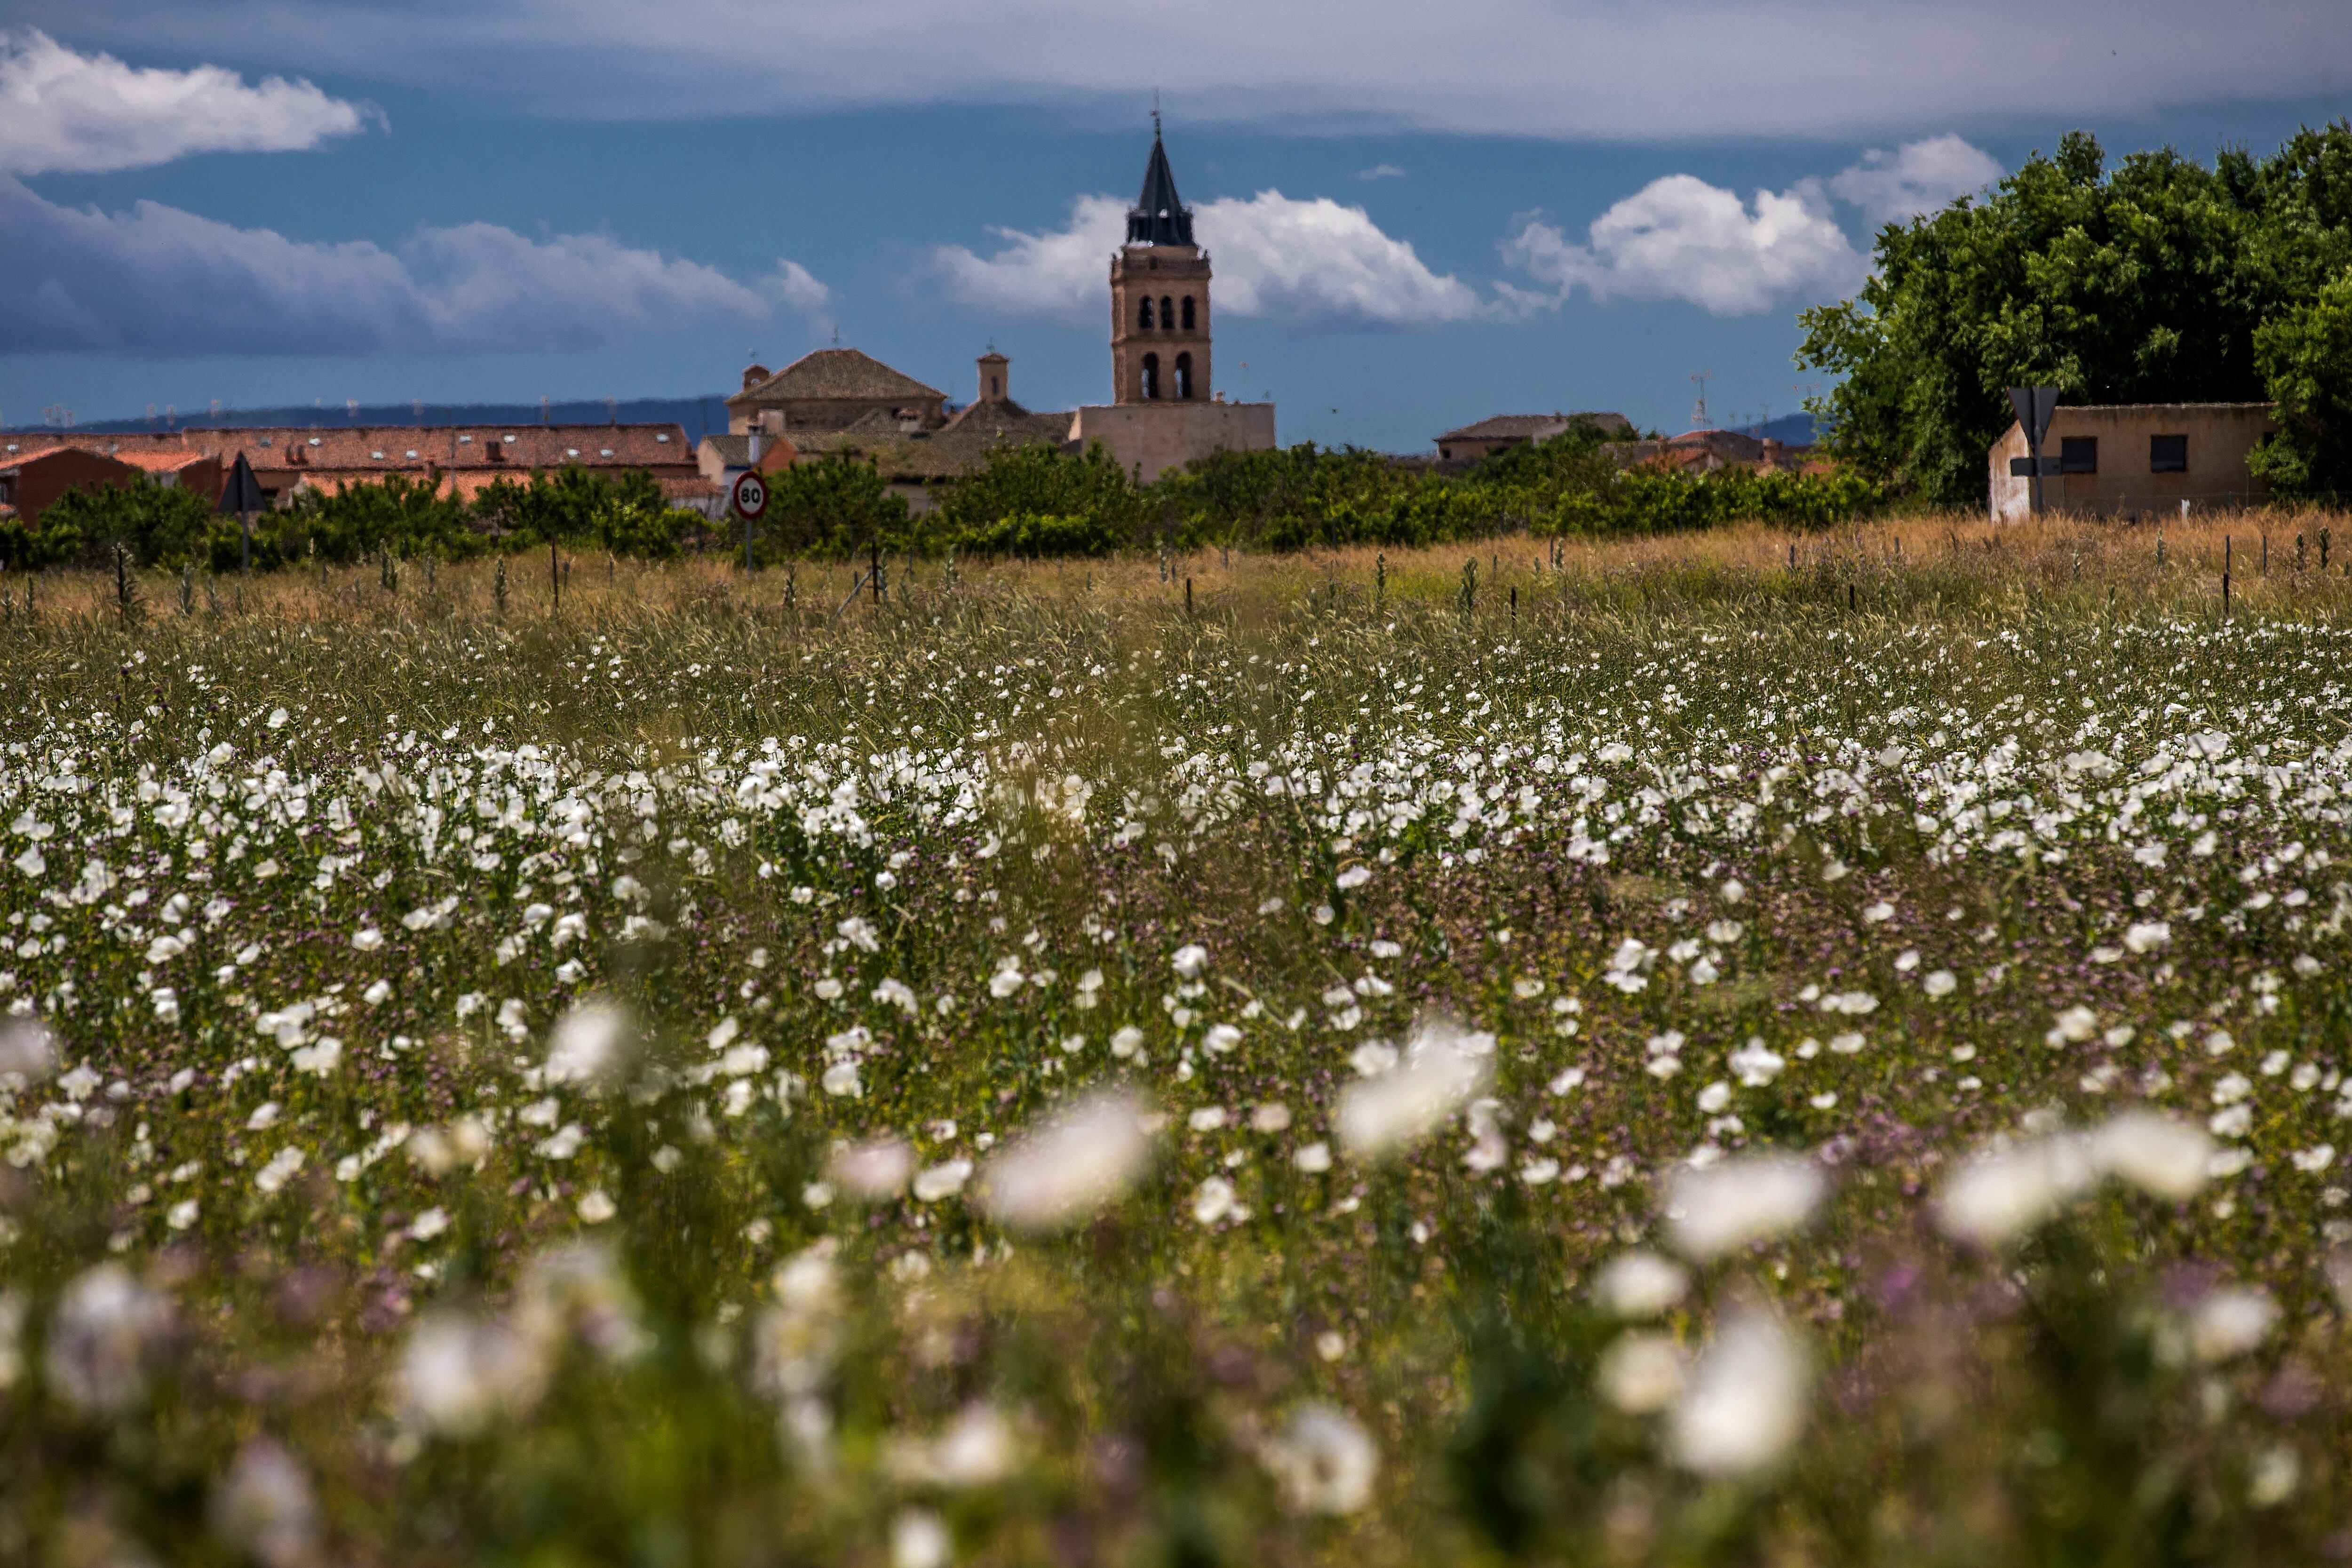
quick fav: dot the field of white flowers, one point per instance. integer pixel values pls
(1672, 1066)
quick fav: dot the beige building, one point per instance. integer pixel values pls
(1165, 411)
(2133, 460)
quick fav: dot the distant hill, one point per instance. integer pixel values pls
(700, 415)
(1796, 429)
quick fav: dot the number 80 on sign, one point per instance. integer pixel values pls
(751, 495)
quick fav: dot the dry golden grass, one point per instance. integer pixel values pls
(1923, 564)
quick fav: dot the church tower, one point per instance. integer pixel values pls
(1159, 297)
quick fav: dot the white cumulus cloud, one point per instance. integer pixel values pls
(61, 111)
(158, 280)
(1318, 265)
(1681, 238)
(1062, 275)
(1918, 177)
(1311, 266)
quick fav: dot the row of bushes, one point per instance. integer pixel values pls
(170, 527)
(1026, 501)
(1040, 501)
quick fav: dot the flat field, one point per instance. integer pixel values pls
(1823, 1049)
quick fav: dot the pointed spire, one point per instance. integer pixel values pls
(1158, 217)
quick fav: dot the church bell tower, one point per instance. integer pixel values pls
(1159, 297)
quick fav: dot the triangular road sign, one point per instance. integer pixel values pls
(243, 491)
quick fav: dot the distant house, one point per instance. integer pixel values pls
(832, 389)
(2133, 459)
(721, 458)
(1501, 432)
(36, 471)
(1709, 452)
(913, 461)
(460, 458)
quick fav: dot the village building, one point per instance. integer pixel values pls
(1712, 451)
(833, 389)
(1165, 410)
(1502, 432)
(34, 472)
(460, 458)
(912, 462)
(2133, 460)
(721, 456)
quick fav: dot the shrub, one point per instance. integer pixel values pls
(1039, 481)
(1031, 535)
(162, 525)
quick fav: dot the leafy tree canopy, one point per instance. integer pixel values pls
(1038, 481)
(2160, 281)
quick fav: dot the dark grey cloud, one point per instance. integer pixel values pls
(157, 280)
(1607, 69)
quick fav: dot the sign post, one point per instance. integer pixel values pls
(242, 495)
(749, 496)
(2034, 407)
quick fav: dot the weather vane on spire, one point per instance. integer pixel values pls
(1155, 114)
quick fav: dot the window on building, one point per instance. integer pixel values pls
(1151, 375)
(2168, 454)
(1188, 312)
(1144, 320)
(2078, 455)
(1183, 377)
(1168, 312)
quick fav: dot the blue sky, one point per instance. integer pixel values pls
(1576, 207)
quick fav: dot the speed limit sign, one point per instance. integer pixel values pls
(750, 494)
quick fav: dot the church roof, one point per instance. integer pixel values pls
(1158, 217)
(1533, 426)
(959, 447)
(836, 376)
(993, 414)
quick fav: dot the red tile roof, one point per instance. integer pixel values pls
(393, 448)
(166, 462)
(25, 449)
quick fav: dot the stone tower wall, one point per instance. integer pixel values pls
(1169, 273)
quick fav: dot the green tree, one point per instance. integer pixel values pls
(562, 506)
(162, 525)
(2160, 281)
(2305, 357)
(1037, 479)
(835, 506)
(398, 514)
